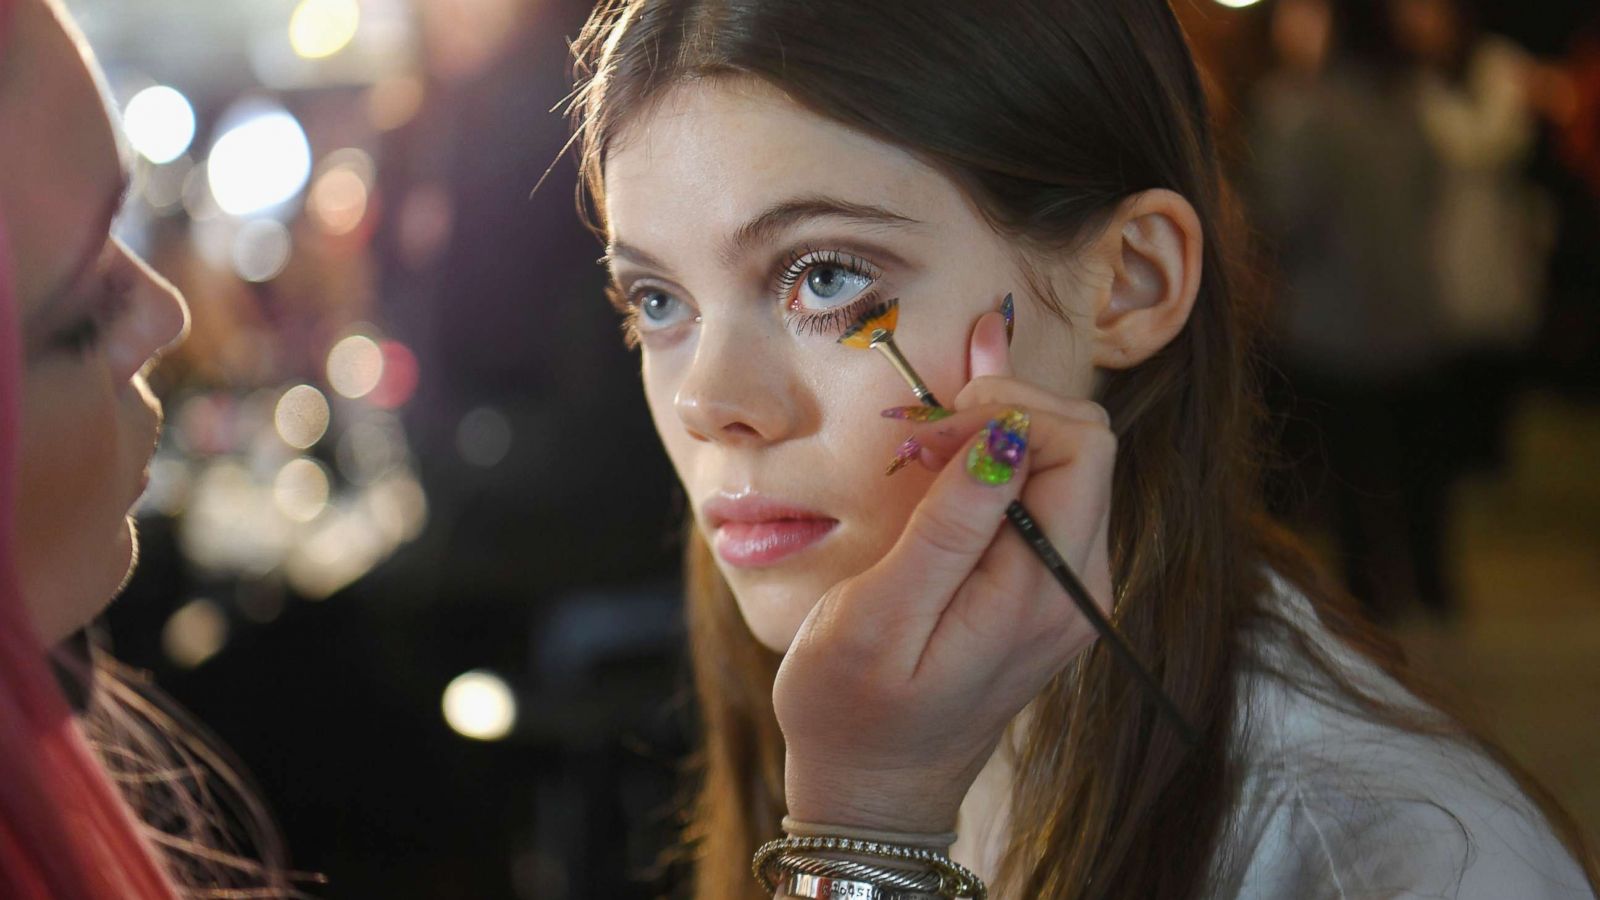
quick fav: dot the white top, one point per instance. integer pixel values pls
(1334, 805)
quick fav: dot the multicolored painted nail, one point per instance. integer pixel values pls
(905, 456)
(998, 451)
(917, 413)
(1009, 310)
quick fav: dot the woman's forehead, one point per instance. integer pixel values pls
(717, 153)
(64, 169)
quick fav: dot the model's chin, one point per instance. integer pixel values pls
(122, 558)
(774, 608)
(64, 600)
(128, 557)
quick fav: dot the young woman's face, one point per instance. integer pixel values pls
(93, 317)
(748, 232)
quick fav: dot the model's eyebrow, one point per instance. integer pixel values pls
(772, 221)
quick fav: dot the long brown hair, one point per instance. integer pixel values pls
(1047, 113)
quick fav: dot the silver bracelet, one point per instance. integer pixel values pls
(926, 881)
(956, 880)
(821, 887)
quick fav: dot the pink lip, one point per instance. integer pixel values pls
(751, 531)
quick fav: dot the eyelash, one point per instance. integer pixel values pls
(83, 336)
(801, 261)
(796, 264)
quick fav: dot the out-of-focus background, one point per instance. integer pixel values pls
(410, 544)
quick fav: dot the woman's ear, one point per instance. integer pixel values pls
(1153, 246)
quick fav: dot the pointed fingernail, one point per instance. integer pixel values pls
(917, 413)
(1009, 309)
(995, 456)
(905, 456)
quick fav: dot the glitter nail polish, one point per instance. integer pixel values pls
(905, 456)
(1008, 308)
(917, 413)
(999, 450)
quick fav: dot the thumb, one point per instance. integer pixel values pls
(989, 352)
(951, 529)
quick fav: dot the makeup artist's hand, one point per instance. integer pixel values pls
(901, 681)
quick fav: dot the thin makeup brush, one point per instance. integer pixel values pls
(874, 329)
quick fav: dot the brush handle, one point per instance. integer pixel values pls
(1034, 535)
(1047, 553)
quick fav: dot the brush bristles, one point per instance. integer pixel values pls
(881, 317)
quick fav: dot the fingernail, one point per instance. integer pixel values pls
(1009, 310)
(917, 413)
(998, 451)
(905, 456)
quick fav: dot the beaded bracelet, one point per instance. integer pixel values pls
(955, 880)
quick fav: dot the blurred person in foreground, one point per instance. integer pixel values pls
(880, 659)
(101, 802)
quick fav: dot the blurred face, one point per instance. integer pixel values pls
(1302, 31)
(747, 233)
(1427, 29)
(93, 319)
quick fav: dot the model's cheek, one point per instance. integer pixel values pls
(73, 497)
(661, 378)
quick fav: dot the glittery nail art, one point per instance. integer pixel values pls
(917, 413)
(905, 456)
(998, 452)
(1009, 309)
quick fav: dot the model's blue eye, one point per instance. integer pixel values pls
(658, 306)
(830, 286)
(819, 281)
(653, 310)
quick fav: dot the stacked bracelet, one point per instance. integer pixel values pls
(945, 876)
(823, 887)
(926, 881)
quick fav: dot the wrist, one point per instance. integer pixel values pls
(941, 841)
(884, 806)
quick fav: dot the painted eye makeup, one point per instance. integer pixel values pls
(824, 290)
(820, 290)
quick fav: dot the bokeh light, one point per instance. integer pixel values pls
(398, 507)
(370, 448)
(342, 190)
(400, 376)
(260, 163)
(355, 366)
(483, 437)
(159, 123)
(261, 250)
(480, 705)
(395, 101)
(302, 416)
(320, 28)
(163, 186)
(195, 633)
(301, 489)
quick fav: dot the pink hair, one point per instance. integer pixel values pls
(65, 834)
